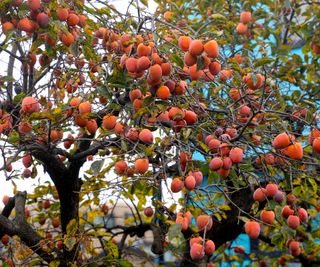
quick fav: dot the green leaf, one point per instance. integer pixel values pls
(35, 262)
(70, 242)
(72, 227)
(174, 231)
(34, 172)
(144, 2)
(212, 176)
(313, 184)
(112, 249)
(13, 137)
(176, 238)
(96, 166)
(7, 78)
(54, 264)
(55, 206)
(309, 102)
(224, 207)
(103, 89)
(147, 101)
(119, 78)
(59, 25)
(186, 133)
(124, 145)
(41, 116)
(278, 239)
(74, 48)
(124, 263)
(149, 150)
(200, 63)
(176, 59)
(263, 61)
(218, 17)
(18, 98)
(243, 218)
(2, 6)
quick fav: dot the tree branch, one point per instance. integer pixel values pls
(23, 230)
(92, 150)
(53, 165)
(10, 70)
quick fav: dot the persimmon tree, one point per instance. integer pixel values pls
(204, 99)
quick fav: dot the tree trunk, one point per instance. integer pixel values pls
(69, 210)
(69, 201)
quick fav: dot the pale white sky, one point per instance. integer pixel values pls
(29, 184)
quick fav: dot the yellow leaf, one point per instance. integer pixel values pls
(72, 227)
(54, 264)
(224, 207)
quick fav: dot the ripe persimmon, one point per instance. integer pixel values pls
(196, 252)
(260, 194)
(29, 105)
(26, 25)
(195, 74)
(204, 221)
(34, 5)
(176, 113)
(7, 26)
(73, 19)
(316, 145)
(294, 151)
(211, 48)
(209, 247)
(214, 67)
(166, 68)
(62, 14)
(141, 165)
(135, 94)
(120, 167)
(84, 107)
(184, 43)
(252, 229)
(132, 64)
(242, 28)
(109, 121)
(92, 126)
(146, 136)
(176, 185)
(236, 155)
(163, 92)
(281, 141)
(143, 50)
(196, 47)
(155, 73)
(189, 59)
(43, 20)
(67, 39)
(24, 127)
(245, 17)
(267, 216)
(190, 117)
(118, 128)
(143, 63)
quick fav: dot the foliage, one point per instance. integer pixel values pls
(205, 100)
